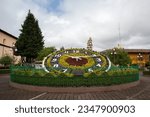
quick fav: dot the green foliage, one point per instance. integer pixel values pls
(73, 81)
(62, 48)
(97, 78)
(45, 52)
(146, 72)
(6, 60)
(147, 65)
(30, 41)
(48, 62)
(4, 71)
(120, 58)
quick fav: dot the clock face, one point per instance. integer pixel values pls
(76, 61)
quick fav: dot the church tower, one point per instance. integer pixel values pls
(89, 44)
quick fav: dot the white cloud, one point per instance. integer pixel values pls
(80, 19)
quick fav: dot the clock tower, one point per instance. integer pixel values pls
(89, 44)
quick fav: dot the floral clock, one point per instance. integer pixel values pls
(76, 61)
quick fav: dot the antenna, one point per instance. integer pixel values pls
(119, 37)
(119, 32)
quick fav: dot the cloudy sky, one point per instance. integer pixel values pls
(70, 23)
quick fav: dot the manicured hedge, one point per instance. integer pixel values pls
(4, 71)
(74, 81)
(146, 72)
(32, 76)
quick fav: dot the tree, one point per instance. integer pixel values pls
(45, 52)
(30, 40)
(6, 60)
(118, 56)
(62, 48)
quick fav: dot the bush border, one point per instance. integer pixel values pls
(75, 81)
(4, 71)
(73, 89)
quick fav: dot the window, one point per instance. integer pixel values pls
(4, 40)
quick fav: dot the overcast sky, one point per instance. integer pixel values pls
(70, 23)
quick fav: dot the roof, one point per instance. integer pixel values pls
(137, 50)
(132, 50)
(8, 34)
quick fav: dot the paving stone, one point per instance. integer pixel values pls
(139, 92)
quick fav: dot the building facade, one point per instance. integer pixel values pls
(139, 56)
(7, 42)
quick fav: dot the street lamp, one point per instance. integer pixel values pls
(139, 57)
(14, 49)
(113, 53)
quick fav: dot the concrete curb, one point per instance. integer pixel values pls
(73, 89)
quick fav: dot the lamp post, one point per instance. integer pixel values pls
(140, 58)
(113, 53)
(14, 50)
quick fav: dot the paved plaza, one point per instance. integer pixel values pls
(139, 92)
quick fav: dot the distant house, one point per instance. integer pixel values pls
(139, 56)
(7, 42)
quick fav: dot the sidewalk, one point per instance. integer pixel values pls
(139, 92)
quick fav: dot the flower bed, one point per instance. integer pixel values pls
(75, 67)
(32, 76)
(71, 60)
(89, 62)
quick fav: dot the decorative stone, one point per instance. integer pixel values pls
(94, 55)
(54, 60)
(58, 55)
(77, 51)
(77, 72)
(98, 60)
(55, 65)
(98, 65)
(90, 70)
(65, 70)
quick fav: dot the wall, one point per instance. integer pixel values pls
(135, 59)
(8, 41)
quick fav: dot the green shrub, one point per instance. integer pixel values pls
(73, 81)
(40, 72)
(69, 75)
(47, 75)
(6, 60)
(56, 78)
(92, 75)
(146, 72)
(86, 75)
(4, 71)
